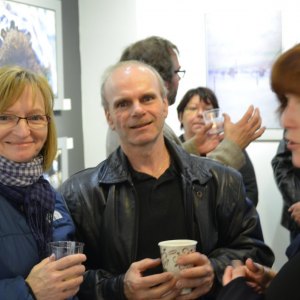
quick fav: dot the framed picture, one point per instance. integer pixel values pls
(31, 36)
(58, 173)
(240, 50)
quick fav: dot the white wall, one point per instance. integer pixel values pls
(107, 26)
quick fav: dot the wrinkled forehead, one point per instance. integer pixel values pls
(130, 75)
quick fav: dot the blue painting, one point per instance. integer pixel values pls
(240, 50)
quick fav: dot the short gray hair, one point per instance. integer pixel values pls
(110, 70)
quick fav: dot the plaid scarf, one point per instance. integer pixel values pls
(26, 189)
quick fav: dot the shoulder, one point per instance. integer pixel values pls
(203, 168)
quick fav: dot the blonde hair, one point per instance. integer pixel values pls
(13, 80)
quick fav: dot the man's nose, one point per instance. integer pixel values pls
(137, 108)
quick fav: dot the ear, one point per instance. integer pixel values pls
(165, 107)
(109, 120)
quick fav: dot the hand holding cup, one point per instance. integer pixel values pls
(170, 251)
(215, 117)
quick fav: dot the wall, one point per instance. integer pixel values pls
(107, 26)
(69, 123)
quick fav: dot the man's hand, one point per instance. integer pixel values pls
(57, 279)
(246, 130)
(295, 212)
(200, 277)
(158, 286)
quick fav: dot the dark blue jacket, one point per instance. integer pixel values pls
(18, 249)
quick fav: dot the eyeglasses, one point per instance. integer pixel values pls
(33, 121)
(180, 73)
(195, 109)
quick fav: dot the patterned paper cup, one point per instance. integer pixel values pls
(171, 250)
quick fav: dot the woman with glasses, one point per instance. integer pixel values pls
(190, 114)
(32, 213)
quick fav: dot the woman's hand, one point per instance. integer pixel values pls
(57, 279)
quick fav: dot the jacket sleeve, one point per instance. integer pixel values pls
(14, 288)
(63, 226)
(238, 229)
(249, 179)
(238, 289)
(84, 206)
(286, 175)
(229, 154)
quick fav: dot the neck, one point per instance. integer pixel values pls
(187, 136)
(149, 160)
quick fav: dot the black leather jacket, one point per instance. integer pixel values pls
(102, 202)
(287, 178)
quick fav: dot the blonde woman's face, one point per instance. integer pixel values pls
(20, 143)
(290, 120)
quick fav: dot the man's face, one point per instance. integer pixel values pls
(136, 109)
(173, 85)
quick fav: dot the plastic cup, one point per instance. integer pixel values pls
(170, 250)
(64, 248)
(215, 117)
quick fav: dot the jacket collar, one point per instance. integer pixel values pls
(115, 168)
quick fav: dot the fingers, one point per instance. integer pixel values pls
(137, 286)
(69, 261)
(254, 267)
(227, 276)
(146, 264)
(247, 115)
(199, 277)
(194, 258)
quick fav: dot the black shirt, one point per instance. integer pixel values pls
(161, 211)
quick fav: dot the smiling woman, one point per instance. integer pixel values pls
(27, 149)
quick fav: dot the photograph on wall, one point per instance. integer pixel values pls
(28, 39)
(240, 50)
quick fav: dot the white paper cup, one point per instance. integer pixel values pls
(64, 248)
(170, 250)
(215, 117)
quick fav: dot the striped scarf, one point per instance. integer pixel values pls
(23, 185)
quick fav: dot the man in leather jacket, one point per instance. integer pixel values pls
(150, 190)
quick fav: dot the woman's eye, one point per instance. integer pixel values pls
(35, 117)
(5, 118)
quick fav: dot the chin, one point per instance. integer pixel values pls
(296, 159)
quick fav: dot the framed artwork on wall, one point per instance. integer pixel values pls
(240, 50)
(31, 36)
